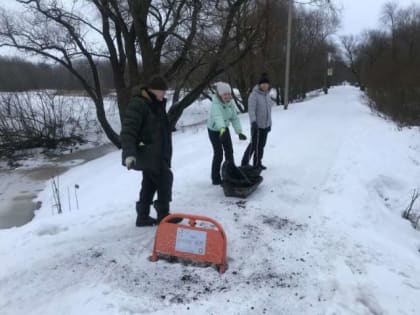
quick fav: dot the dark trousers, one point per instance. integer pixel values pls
(256, 148)
(220, 144)
(156, 182)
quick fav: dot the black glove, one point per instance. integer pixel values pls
(242, 136)
(269, 129)
(254, 126)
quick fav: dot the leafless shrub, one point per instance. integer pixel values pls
(39, 120)
(417, 222)
(55, 184)
(410, 213)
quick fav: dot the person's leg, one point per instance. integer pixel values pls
(261, 144)
(247, 155)
(228, 147)
(164, 187)
(256, 157)
(250, 150)
(217, 156)
(232, 170)
(164, 192)
(148, 189)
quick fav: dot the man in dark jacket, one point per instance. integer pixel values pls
(147, 146)
(259, 110)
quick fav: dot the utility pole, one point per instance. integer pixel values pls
(288, 45)
(327, 66)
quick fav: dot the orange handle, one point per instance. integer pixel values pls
(193, 219)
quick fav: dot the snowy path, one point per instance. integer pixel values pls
(321, 235)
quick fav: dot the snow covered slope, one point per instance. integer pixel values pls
(323, 234)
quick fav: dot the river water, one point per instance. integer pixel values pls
(18, 188)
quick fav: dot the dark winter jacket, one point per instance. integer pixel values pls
(145, 132)
(259, 107)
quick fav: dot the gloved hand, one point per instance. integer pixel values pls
(222, 132)
(269, 129)
(254, 126)
(242, 136)
(130, 161)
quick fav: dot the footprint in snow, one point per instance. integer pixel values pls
(51, 230)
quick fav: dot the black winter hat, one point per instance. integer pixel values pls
(157, 82)
(264, 79)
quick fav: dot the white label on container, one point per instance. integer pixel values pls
(191, 241)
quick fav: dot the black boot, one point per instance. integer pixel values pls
(143, 218)
(149, 221)
(163, 211)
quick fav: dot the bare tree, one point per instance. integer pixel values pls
(388, 61)
(137, 38)
(54, 32)
(310, 48)
(351, 51)
(215, 52)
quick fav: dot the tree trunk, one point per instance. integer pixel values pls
(175, 97)
(176, 109)
(110, 133)
(279, 98)
(123, 97)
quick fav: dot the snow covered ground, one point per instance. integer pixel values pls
(323, 234)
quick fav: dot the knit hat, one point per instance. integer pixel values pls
(157, 82)
(264, 79)
(222, 88)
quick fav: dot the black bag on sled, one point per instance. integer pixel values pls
(240, 181)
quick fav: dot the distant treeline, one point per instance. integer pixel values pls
(20, 75)
(386, 63)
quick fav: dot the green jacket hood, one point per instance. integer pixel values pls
(222, 115)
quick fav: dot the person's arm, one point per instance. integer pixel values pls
(236, 123)
(217, 116)
(252, 108)
(131, 126)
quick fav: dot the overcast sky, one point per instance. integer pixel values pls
(356, 15)
(359, 15)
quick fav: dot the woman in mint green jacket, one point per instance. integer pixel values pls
(222, 113)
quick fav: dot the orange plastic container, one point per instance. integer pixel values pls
(206, 244)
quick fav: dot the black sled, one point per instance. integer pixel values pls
(240, 181)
